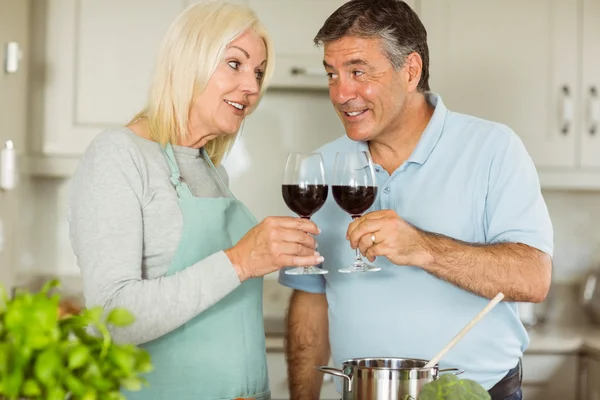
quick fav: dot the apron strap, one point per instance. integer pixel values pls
(183, 191)
(212, 166)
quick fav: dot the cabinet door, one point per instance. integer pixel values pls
(593, 379)
(293, 24)
(513, 62)
(97, 57)
(590, 110)
(14, 19)
(550, 376)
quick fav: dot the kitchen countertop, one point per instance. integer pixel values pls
(544, 339)
(564, 339)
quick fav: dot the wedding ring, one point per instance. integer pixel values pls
(373, 238)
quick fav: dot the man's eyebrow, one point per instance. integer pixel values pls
(354, 61)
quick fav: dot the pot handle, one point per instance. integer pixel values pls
(455, 370)
(335, 372)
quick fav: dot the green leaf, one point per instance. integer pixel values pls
(22, 356)
(4, 357)
(78, 356)
(74, 385)
(143, 361)
(132, 384)
(93, 315)
(122, 359)
(90, 395)
(31, 388)
(54, 283)
(56, 393)
(115, 396)
(92, 371)
(13, 382)
(104, 385)
(45, 314)
(47, 366)
(14, 317)
(38, 340)
(120, 317)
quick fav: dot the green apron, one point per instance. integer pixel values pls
(219, 354)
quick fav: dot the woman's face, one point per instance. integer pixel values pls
(232, 91)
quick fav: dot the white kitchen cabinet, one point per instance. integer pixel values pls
(520, 63)
(13, 129)
(293, 24)
(279, 383)
(590, 86)
(509, 61)
(548, 376)
(92, 64)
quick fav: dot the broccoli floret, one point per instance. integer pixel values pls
(449, 387)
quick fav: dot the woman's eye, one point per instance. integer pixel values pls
(259, 75)
(234, 64)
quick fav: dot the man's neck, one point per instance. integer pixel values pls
(392, 149)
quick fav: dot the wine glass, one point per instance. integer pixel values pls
(304, 192)
(354, 189)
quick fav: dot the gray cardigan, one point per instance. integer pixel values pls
(125, 224)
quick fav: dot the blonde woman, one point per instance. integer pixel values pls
(156, 230)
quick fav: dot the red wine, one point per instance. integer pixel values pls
(355, 200)
(304, 200)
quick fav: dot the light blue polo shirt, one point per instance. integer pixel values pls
(469, 179)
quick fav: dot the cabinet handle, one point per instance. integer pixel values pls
(594, 111)
(319, 72)
(8, 173)
(567, 110)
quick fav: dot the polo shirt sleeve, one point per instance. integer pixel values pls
(515, 209)
(306, 283)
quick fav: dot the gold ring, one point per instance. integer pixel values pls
(373, 238)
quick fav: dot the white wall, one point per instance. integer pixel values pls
(289, 121)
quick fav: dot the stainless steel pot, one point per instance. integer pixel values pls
(384, 378)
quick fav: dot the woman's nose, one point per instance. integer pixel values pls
(250, 84)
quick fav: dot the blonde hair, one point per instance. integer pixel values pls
(191, 50)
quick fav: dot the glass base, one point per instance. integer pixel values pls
(306, 271)
(359, 266)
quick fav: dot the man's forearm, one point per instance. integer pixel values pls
(307, 344)
(521, 272)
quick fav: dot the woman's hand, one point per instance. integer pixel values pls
(275, 243)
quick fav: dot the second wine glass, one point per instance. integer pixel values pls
(304, 192)
(354, 189)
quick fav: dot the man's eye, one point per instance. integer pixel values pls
(330, 75)
(358, 73)
(234, 64)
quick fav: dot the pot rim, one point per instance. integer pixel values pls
(347, 363)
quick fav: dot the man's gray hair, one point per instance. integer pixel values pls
(392, 21)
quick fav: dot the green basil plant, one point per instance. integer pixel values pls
(45, 356)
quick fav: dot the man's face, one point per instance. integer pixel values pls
(365, 88)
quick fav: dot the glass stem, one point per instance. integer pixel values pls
(306, 268)
(358, 256)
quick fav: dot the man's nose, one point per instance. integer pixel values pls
(342, 91)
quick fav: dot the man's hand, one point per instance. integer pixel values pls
(384, 233)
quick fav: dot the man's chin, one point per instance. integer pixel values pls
(357, 136)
